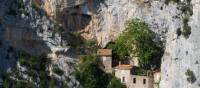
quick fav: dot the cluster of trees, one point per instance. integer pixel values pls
(91, 76)
(37, 70)
(136, 41)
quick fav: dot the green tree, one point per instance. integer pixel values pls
(90, 75)
(115, 83)
(136, 41)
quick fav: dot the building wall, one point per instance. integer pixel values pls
(129, 79)
(107, 63)
(140, 82)
(157, 77)
(123, 73)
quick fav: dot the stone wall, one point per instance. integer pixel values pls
(106, 62)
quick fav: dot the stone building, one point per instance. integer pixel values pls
(105, 57)
(124, 73)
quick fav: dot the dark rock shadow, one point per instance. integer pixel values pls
(17, 35)
(155, 63)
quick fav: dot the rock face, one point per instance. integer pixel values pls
(32, 30)
(182, 54)
(28, 29)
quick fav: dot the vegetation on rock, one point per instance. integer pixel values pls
(34, 75)
(178, 32)
(57, 70)
(136, 41)
(190, 76)
(91, 76)
(175, 1)
(21, 6)
(187, 11)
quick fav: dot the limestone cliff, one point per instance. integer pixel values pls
(32, 30)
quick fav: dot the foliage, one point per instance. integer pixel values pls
(57, 70)
(139, 71)
(10, 83)
(91, 76)
(190, 76)
(178, 31)
(35, 62)
(186, 9)
(59, 29)
(36, 4)
(175, 1)
(75, 40)
(136, 41)
(21, 6)
(90, 46)
(36, 65)
(115, 83)
(78, 42)
(187, 31)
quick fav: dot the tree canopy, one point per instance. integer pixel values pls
(91, 76)
(136, 41)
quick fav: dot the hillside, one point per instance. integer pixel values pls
(62, 30)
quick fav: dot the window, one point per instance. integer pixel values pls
(144, 81)
(134, 80)
(123, 79)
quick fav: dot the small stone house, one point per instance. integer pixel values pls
(105, 57)
(123, 72)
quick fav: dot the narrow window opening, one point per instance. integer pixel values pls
(144, 81)
(134, 80)
(123, 79)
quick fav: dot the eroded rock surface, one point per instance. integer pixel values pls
(103, 20)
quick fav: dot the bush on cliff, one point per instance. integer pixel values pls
(136, 41)
(91, 76)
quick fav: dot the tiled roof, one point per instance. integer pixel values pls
(104, 52)
(124, 67)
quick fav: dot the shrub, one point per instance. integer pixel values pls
(186, 9)
(190, 76)
(76, 41)
(36, 4)
(91, 76)
(20, 6)
(175, 1)
(90, 46)
(178, 31)
(36, 65)
(58, 29)
(139, 71)
(115, 83)
(136, 40)
(186, 31)
(185, 20)
(57, 70)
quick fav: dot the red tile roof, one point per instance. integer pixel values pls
(124, 67)
(104, 52)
